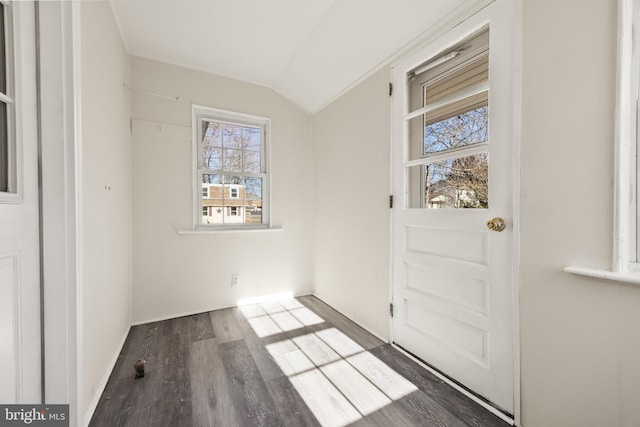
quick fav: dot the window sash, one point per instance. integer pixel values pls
(458, 84)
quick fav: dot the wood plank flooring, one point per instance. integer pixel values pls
(294, 363)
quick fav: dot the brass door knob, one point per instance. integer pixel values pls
(496, 224)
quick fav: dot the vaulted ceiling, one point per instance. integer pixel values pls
(309, 51)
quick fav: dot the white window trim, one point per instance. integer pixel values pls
(624, 265)
(199, 111)
(14, 152)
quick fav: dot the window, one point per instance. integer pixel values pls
(8, 145)
(626, 224)
(231, 157)
(634, 135)
(627, 215)
(448, 128)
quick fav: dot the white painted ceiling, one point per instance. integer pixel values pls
(309, 51)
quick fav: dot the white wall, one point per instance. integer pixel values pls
(176, 274)
(580, 338)
(106, 198)
(351, 158)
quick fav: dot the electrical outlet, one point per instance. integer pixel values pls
(235, 280)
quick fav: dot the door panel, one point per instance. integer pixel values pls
(458, 243)
(8, 327)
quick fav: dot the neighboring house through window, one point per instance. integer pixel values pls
(231, 177)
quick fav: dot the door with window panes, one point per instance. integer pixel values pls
(451, 272)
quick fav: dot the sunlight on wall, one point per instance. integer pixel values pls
(284, 296)
(337, 378)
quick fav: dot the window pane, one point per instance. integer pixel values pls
(233, 194)
(232, 160)
(3, 52)
(456, 183)
(211, 158)
(211, 134)
(467, 128)
(252, 162)
(232, 136)
(233, 180)
(253, 200)
(4, 149)
(251, 138)
(455, 123)
(212, 205)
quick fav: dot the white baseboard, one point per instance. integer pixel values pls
(191, 313)
(175, 316)
(103, 382)
(383, 339)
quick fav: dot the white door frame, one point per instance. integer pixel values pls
(460, 15)
(59, 87)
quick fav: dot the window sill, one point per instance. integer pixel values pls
(631, 277)
(228, 230)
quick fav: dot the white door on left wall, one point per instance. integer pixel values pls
(20, 343)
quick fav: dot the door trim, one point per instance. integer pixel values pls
(460, 15)
(58, 35)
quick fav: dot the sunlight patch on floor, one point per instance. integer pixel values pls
(339, 381)
(274, 317)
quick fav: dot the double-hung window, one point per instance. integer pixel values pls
(231, 178)
(9, 161)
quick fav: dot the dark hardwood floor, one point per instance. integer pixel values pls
(296, 364)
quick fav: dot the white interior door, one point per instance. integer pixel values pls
(453, 136)
(20, 374)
